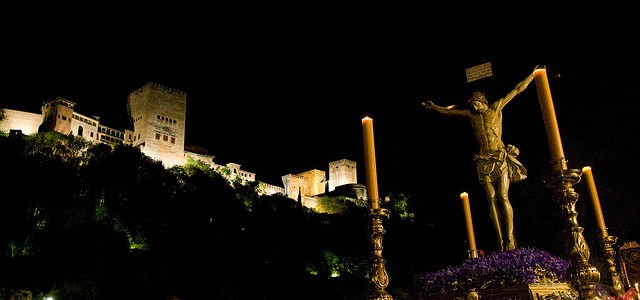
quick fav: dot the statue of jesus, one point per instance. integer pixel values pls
(496, 163)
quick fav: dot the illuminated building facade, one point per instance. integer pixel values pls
(158, 116)
(342, 172)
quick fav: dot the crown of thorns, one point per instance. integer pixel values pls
(478, 96)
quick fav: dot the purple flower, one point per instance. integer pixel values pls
(498, 269)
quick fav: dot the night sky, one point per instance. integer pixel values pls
(282, 88)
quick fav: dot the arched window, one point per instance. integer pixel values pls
(79, 130)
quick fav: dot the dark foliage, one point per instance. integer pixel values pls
(112, 223)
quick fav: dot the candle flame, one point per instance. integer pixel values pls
(539, 70)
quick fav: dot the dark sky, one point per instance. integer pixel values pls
(282, 88)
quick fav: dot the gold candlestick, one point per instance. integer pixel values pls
(609, 255)
(607, 241)
(379, 277)
(582, 275)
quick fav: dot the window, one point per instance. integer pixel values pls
(173, 139)
(157, 136)
(165, 138)
(80, 130)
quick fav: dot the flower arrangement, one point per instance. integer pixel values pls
(498, 269)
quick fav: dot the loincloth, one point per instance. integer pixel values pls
(491, 167)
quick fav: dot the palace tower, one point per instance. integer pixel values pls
(158, 116)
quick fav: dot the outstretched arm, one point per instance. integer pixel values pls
(521, 86)
(449, 110)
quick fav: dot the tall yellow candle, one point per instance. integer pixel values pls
(370, 162)
(597, 210)
(550, 122)
(467, 218)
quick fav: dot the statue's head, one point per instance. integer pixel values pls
(479, 101)
(478, 96)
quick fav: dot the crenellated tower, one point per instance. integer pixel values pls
(158, 115)
(342, 172)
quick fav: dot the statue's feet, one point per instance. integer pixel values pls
(510, 244)
(501, 245)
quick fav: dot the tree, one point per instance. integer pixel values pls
(120, 221)
(53, 144)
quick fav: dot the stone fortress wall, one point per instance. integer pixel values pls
(158, 117)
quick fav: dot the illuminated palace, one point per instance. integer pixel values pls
(158, 116)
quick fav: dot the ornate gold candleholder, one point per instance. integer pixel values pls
(473, 254)
(379, 276)
(610, 256)
(582, 275)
